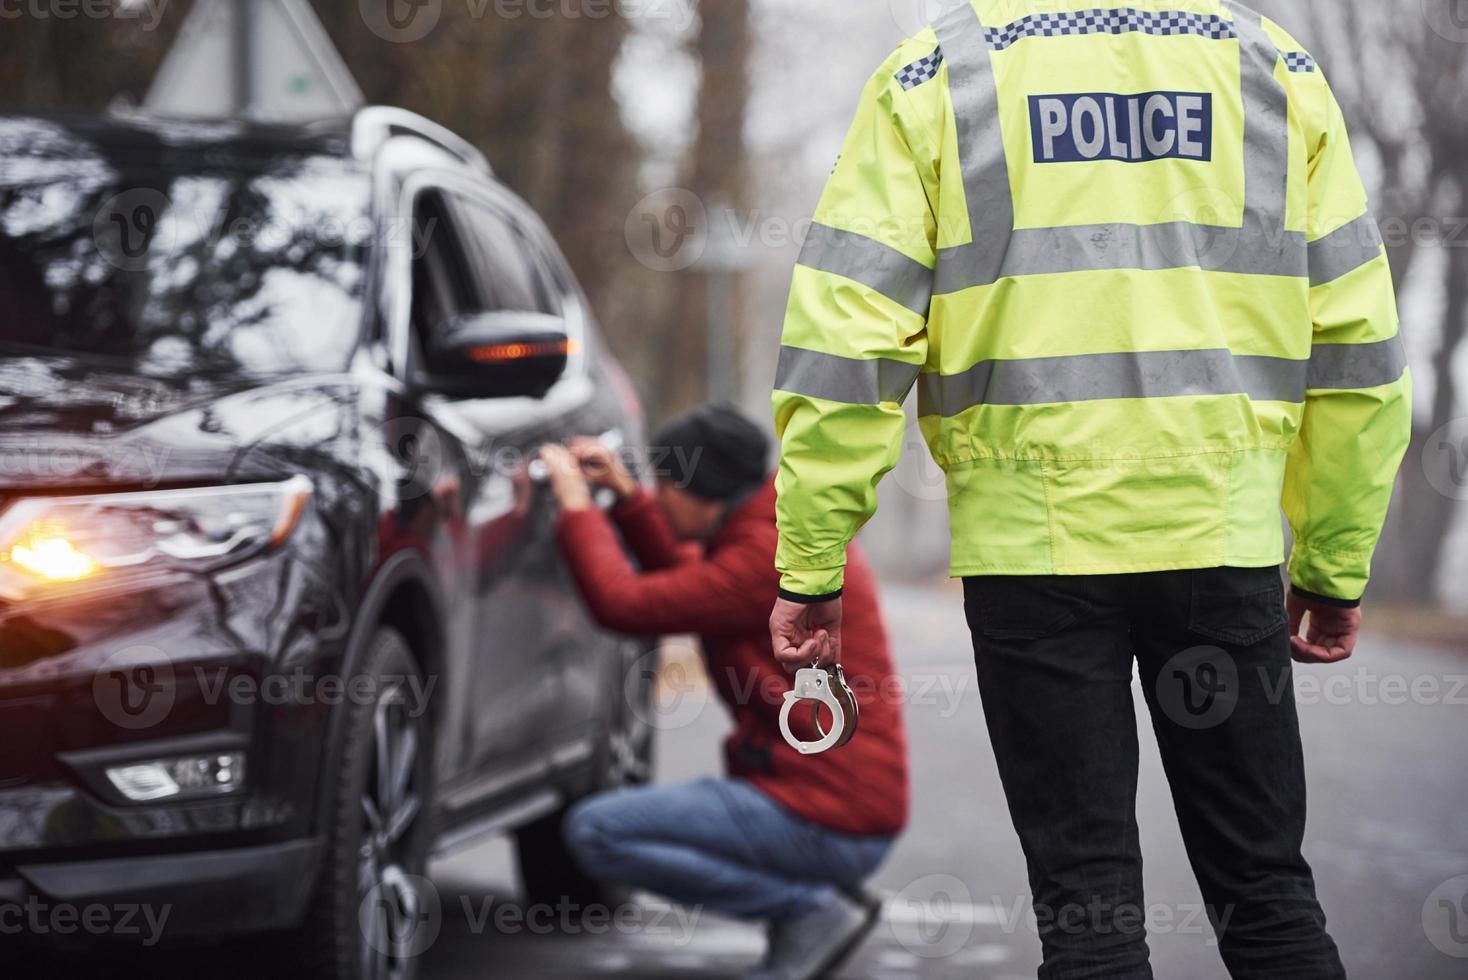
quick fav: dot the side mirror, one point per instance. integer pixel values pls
(499, 355)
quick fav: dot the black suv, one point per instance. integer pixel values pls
(281, 614)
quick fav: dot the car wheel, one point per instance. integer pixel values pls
(548, 871)
(374, 912)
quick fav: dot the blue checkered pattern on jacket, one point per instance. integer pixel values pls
(913, 75)
(1299, 61)
(1123, 20)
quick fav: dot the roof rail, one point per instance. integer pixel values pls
(375, 125)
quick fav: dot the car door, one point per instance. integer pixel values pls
(527, 626)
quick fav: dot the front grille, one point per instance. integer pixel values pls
(25, 738)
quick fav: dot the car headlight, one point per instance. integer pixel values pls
(49, 544)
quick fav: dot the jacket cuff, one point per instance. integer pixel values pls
(808, 600)
(822, 583)
(1328, 573)
(1325, 599)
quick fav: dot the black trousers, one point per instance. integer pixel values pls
(1054, 656)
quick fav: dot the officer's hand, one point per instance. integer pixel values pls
(802, 633)
(566, 479)
(1331, 635)
(602, 466)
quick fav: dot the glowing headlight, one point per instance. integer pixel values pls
(49, 543)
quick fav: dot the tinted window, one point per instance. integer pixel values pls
(503, 261)
(442, 286)
(172, 259)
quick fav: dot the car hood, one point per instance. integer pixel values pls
(62, 426)
(56, 396)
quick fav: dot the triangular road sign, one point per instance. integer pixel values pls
(257, 59)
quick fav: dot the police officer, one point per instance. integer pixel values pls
(1125, 257)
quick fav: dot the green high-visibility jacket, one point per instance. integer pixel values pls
(1125, 257)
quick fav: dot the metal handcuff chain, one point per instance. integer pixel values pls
(821, 685)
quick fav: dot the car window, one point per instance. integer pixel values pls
(507, 269)
(179, 261)
(442, 285)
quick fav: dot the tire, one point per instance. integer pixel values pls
(549, 873)
(374, 910)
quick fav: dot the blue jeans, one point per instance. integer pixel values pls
(720, 844)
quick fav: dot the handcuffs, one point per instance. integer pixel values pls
(821, 685)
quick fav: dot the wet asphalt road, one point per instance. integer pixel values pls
(1385, 737)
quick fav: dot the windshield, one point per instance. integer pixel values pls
(167, 260)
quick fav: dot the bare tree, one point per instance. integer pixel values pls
(533, 92)
(717, 172)
(1400, 72)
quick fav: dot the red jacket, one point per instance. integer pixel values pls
(725, 595)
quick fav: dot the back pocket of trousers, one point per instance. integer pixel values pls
(1237, 606)
(1013, 607)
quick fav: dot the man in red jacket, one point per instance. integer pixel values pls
(783, 838)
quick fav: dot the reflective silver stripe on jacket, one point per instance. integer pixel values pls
(1351, 366)
(852, 380)
(1091, 377)
(985, 174)
(879, 267)
(1344, 250)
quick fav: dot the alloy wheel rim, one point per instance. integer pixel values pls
(391, 803)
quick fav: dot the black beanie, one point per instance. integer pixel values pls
(714, 451)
